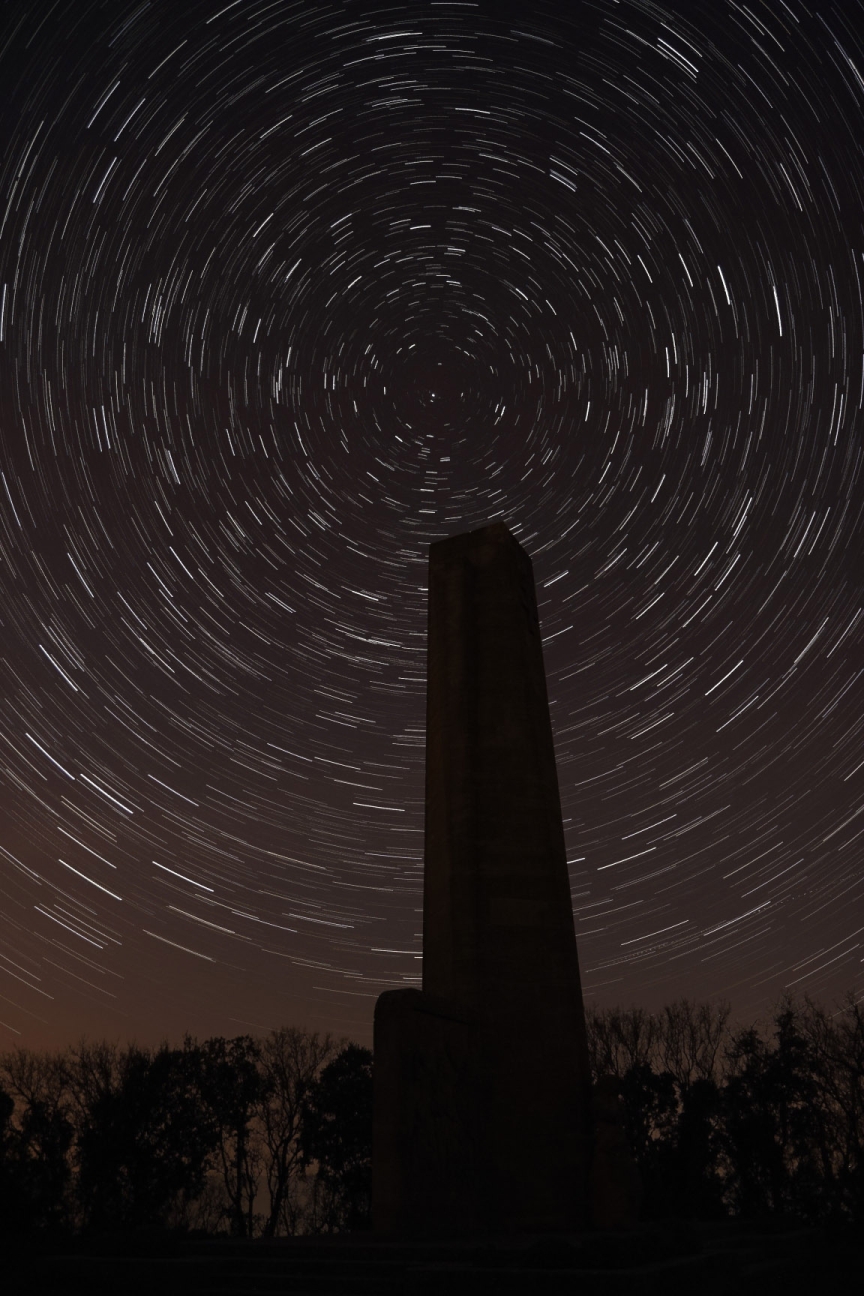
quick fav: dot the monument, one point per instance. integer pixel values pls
(482, 1108)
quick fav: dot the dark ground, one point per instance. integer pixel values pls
(669, 1259)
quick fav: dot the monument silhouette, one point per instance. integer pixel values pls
(482, 1087)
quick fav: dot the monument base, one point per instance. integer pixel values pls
(462, 1143)
(424, 1168)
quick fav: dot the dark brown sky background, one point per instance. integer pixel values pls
(290, 290)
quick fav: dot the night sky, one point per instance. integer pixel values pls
(289, 291)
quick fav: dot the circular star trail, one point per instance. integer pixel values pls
(289, 291)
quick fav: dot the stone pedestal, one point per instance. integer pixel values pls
(426, 1117)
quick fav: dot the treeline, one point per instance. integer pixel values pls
(272, 1136)
(741, 1122)
(251, 1137)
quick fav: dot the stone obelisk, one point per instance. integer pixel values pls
(482, 1116)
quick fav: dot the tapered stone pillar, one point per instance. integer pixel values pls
(482, 1085)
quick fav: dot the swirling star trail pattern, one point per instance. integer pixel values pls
(289, 291)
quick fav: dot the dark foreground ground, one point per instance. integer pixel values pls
(667, 1260)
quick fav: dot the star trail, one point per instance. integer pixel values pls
(290, 290)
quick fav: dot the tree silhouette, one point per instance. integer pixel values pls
(836, 1043)
(35, 1144)
(650, 1108)
(337, 1135)
(144, 1152)
(34, 1172)
(231, 1087)
(773, 1131)
(686, 1183)
(290, 1062)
